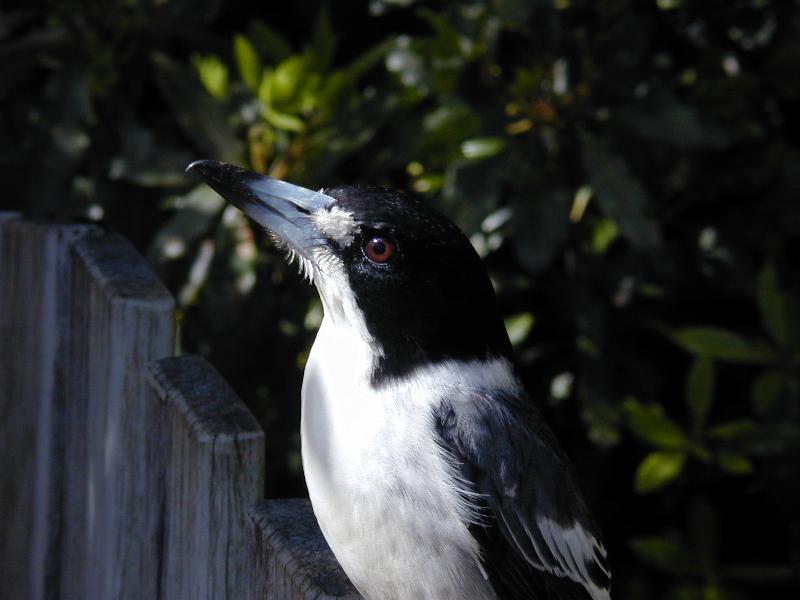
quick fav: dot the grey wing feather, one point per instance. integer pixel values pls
(539, 538)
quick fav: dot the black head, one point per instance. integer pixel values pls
(424, 294)
(391, 262)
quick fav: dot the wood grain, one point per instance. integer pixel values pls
(209, 450)
(121, 320)
(34, 305)
(291, 559)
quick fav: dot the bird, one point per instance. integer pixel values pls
(430, 470)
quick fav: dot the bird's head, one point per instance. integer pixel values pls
(390, 267)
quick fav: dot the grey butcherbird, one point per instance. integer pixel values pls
(431, 473)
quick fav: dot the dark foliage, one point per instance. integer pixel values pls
(630, 172)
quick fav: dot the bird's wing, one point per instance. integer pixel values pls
(536, 534)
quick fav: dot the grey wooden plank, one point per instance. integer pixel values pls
(211, 452)
(291, 559)
(34, 289)
(122, 318)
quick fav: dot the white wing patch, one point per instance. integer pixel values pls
(573, 549)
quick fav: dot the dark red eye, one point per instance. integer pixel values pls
(380, 250)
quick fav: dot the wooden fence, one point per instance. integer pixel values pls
(126, 472)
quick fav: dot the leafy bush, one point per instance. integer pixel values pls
(629, 171)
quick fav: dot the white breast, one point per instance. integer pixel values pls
(382, 489)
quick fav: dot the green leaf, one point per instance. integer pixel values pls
(773, 305)
(661, 552)
(269, 42)
(518, 326)
(213, 74)
(740, 430)
(657, 470)
(766, 390)
(287, 78)
(649, 423)
(605, 232)
(484, 147)
(284, 121)
(700, 391)
(247, 62)
(735, 463)
(722, 344)
(619, 193)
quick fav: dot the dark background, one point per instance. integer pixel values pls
(629, 170)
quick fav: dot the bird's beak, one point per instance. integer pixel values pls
(283, 208)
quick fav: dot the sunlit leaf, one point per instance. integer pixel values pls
(286, 81)
(518, 326)
(766, 391)
(313, 318)
(722, 344)
(213, 74)
(700, 391)
(580, 203)
(604, 233)
(247, 62)
(484, 147)
(657, 470)
(648, 422)
(773, 305)
(284, 121)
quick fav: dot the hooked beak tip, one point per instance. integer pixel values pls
(202, 167)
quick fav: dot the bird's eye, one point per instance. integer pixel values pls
(380, 250)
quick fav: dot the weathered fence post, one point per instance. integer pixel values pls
(212, 452)
(291, 559)
(122, 319)
(34, 304)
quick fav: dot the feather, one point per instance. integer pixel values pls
(538, 540)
